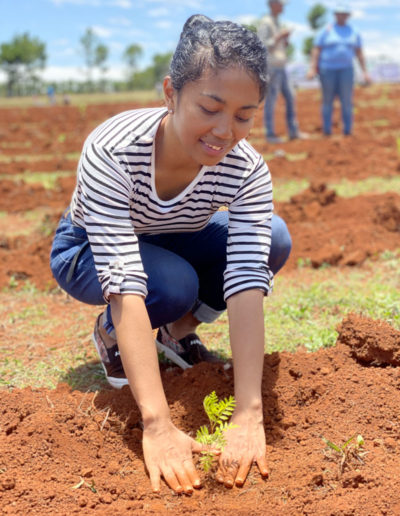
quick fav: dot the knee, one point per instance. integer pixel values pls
(172, 297)
(281, 244)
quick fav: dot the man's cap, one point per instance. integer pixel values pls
(342, 8)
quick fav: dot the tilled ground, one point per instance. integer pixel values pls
(72, 452)
(66, 452)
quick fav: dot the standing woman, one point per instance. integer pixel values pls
(144, 235)
(332, 58)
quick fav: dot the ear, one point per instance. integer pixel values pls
(169, 93)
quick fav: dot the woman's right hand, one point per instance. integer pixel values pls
(168, 454)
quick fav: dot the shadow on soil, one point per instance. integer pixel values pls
(185, 392)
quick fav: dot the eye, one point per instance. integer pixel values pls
(242, 119)
(208, 111)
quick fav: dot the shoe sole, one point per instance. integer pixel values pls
(117, 383)
(171, 355)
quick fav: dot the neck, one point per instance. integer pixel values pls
(167, 157)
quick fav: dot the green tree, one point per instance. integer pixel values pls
(131, 56)
(316, 19)
(148, 78)
(290, 51)
(20, 59)
(161, 64)
(95, 54)
(101, 57)
(316, 16)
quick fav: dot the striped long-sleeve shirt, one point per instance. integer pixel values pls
(115, 200)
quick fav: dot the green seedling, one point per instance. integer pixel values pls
(218, 412)
(83, 482)
(349, 451)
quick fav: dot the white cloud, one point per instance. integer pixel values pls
(94, 3)
(245, 19)
(116, 46)
(65, 73)
(102, 32)
(157, 13)
(360, 5)
(298, 28)
(193, 4)
(66, 52)
(163, 24)
(124, 4)
(62, 42)
(121, 22)
(376, 46)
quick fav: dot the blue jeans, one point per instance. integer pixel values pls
(185, 270)
(279, 82)
(337, 83)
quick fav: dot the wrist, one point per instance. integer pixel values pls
(153, 418)
(253, 408)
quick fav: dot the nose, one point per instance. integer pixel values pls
(223, 129)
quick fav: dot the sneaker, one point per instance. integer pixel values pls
(275, 139)
(109, 355)
(185, 352)
(299, 136)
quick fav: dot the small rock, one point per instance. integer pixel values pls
(106, 498)
(87, 472)
(7, 483)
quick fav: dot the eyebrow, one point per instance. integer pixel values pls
(221, 101)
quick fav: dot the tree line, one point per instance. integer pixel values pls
(24, 56)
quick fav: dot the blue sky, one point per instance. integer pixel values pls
(156, 24)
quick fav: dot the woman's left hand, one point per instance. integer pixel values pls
(245, 446)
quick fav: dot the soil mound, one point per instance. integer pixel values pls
(70, 452)
(328, 229)
(372, 342)
(389, 215)
(325, 228)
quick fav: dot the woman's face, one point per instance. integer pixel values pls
(212, 114)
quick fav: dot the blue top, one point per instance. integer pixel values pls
(338, 45)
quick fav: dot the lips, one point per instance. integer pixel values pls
(213, 148)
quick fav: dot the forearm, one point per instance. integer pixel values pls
(139, 356)
(361, 60)
(315, 53)
(246, 328)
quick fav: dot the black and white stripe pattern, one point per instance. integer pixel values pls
(115, 200)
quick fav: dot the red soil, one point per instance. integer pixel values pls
(51, 439)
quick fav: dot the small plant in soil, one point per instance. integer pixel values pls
(349, 452)
(83, 482)
(218, 413)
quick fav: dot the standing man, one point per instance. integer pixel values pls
(276, 38)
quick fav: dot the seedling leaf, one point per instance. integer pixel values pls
(79, 484)
(332, 445)
(218, 413)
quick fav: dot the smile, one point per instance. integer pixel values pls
(212, 147)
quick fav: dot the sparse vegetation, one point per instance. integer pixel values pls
(348, 453)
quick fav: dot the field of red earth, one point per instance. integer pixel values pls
(66, 451)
